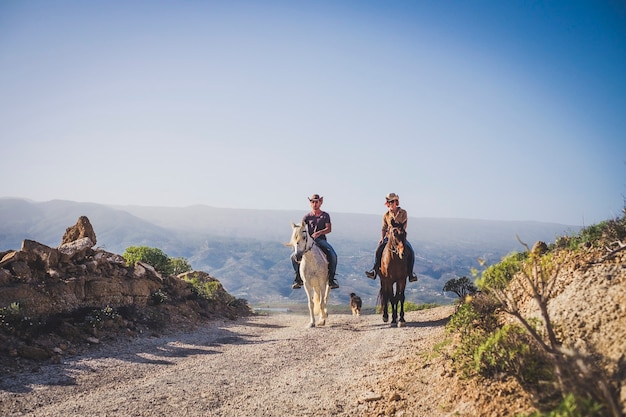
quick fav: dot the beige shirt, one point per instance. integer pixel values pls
(401, 217)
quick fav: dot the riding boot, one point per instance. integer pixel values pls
(332, 282)
(379, 255)
(410, 262)
(297, 282)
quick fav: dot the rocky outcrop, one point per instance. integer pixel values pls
(46, 280)
(54, 298)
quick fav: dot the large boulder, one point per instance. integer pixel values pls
(80, 230)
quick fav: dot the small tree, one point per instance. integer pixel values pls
(462, 287)
(179, 265)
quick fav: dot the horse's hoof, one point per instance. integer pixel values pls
(321, 323)
(311, 325)
(385, 319)
(401, 324)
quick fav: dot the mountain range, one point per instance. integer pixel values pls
(245, 249)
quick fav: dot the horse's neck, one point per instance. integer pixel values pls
(392, 248)
(315, 255)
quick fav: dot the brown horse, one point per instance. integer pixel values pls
(393, 270)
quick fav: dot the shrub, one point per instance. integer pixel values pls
(499, 275)
(159, 296)
(157, 259)
(597, 235)
(14, 321)
(97, 317)
(462, 287)
(179, 266)
(210, 290)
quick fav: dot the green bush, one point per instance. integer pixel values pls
(179, 265)
(499, 275)
(596, 235)
(210, 290)
(510, 350)
(157, 259)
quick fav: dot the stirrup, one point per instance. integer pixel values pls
(333, 284)
(296, 284)
(412, 277)
(371, 274)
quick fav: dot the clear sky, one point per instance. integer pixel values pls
(500, 110)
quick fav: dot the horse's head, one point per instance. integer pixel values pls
(396, 237)
(300, 240)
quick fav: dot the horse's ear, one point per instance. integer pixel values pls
(293, 225)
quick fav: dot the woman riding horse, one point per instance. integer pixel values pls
(393, 271)
(394, 217)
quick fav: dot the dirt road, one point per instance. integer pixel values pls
(260, 366)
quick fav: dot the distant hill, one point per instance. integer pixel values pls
(244, 248)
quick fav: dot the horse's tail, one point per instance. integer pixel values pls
(379, 300)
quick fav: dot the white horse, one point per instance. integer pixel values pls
(313, 270)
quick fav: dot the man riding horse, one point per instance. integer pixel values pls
(394, 217)
(319, 225)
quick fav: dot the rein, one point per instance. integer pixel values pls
(392, 242)
(307, 247)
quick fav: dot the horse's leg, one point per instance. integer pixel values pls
(323, 303)
(384, 299)
(401, 287)
(309, 294)
(394, 309)
(320, 306)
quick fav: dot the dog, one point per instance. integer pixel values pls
(355, 304)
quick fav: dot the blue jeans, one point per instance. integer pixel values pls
(330, 253)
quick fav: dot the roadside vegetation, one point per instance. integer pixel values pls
(492, 337)
(157, 259)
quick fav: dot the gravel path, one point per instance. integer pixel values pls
(259, 366)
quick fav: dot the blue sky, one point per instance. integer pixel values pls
(502, 110)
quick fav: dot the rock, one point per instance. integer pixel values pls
(370, 396)
(21, 270)
(5, 276)
(10, 257)
(77, 249)
(32, 352)
(144, 270)
(49, 256)
(539, 248)
(80, 230)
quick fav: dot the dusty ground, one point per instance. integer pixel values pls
(258, 366)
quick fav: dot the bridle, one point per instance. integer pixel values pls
(307, 246)
(393, 239)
